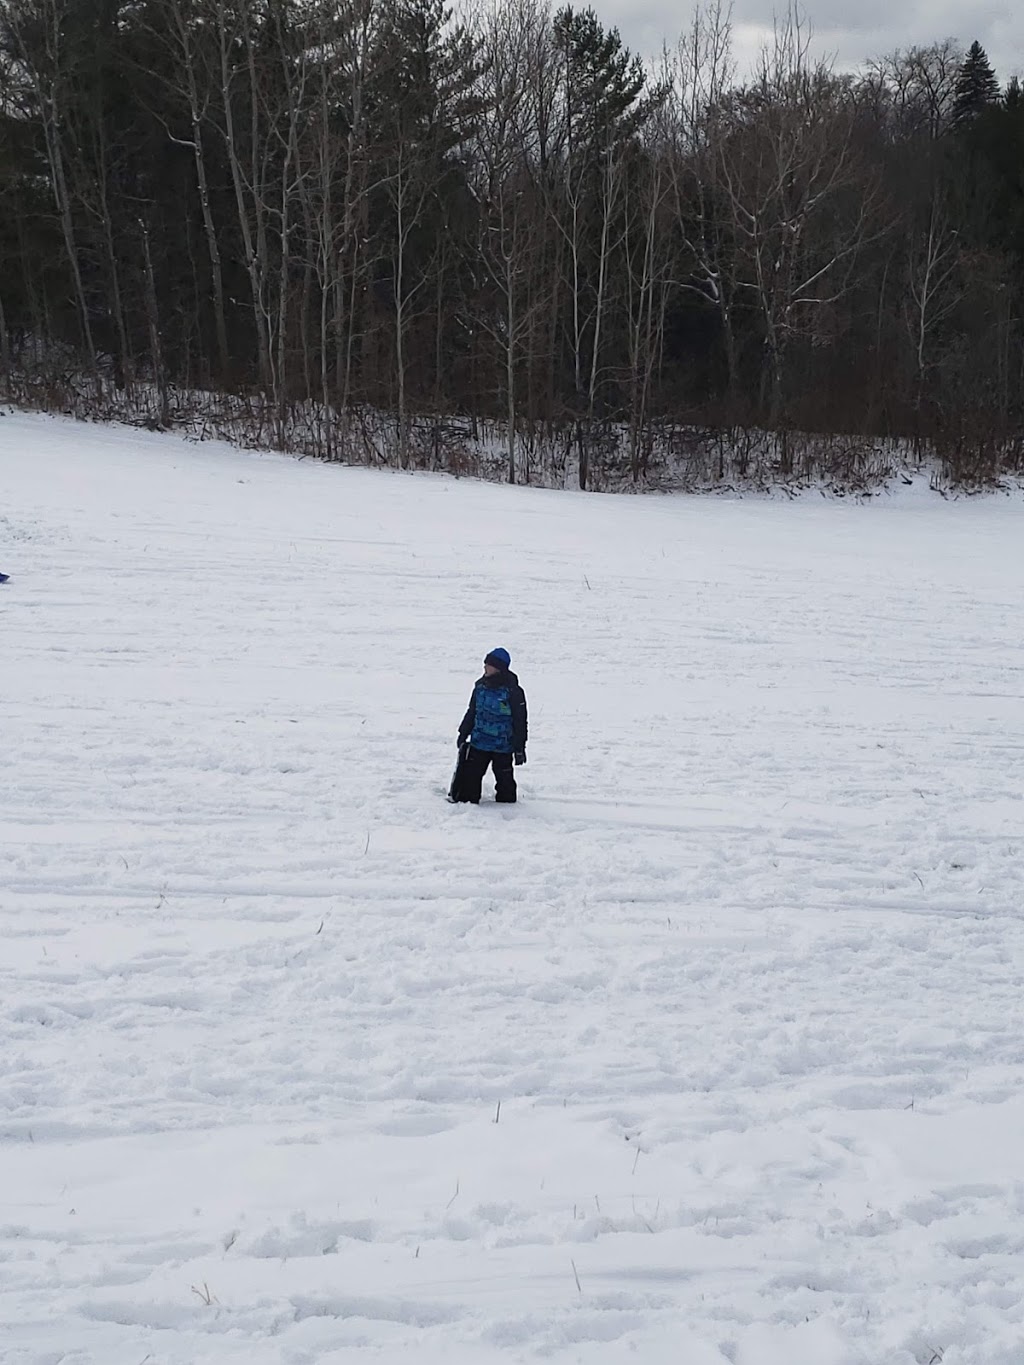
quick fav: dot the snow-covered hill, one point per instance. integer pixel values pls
(709, 1051)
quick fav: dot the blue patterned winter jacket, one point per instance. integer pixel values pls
(495, 720)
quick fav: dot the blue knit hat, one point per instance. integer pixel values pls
(499, 658)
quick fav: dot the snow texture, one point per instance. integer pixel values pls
(708, 1053)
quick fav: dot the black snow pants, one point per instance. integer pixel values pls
(477, 763)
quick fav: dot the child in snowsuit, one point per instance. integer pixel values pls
(495, 725)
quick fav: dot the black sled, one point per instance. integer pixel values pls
(455, 791)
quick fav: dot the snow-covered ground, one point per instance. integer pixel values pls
(709, 1051)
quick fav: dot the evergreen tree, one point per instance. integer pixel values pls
(603, 82)
(976, 88)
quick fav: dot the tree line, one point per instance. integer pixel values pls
(377, 230)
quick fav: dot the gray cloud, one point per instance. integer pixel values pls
(851, 31)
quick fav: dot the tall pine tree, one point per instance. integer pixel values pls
(976, 88)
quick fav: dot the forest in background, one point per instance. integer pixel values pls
(500, 242)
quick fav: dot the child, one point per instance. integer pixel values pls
(495, 726)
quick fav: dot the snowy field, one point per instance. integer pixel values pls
(709, 1052)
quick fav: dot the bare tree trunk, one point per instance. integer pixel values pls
(283, 292)
(608, 199)
(5, 342)
(934, 293)
(197, 109)
(294, 78)
(47, 87)
(439, 323)
(399, 283)
(510, 369)
(254, 262)
(409, 190)
(353, 209)
(113, 262)
(642, 332)
(259, 155)
(698, 78)
(153, 318)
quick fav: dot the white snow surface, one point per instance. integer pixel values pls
(709, 1052)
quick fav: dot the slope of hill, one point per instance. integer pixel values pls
(708, 1052)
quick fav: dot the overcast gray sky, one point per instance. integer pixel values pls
(849, 30)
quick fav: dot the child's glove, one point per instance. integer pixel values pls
(519, 758)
